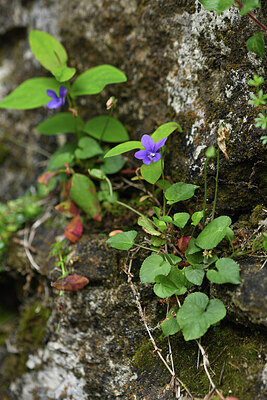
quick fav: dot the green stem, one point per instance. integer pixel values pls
(216, 185)
(106, 124)
(163, 178)
(205, 190)
(148, 248)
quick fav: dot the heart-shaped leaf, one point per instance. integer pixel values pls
(107, 129)
(64, 155)
(174, 283)
(198, 313)
(153, 266)
(122, 241)
(170, 325)
(88, 148)
(228, 272)
(180, 191)
(113, 165)
(195, 274)
(60, 123)
(180, 219)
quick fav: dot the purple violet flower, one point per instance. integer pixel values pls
(57, 101)
(150, 153)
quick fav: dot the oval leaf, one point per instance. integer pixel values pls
(83, 193)
(153, 266)
(30, 94)
(213, 233)
(152, 172)
(71, 283)
(95, 79)
(147, 226)
(122, 241)
(198, 313)
(123, 148)
(60, 123)
(107, 129)
(228, 272)
(165, 130)
(180, 191)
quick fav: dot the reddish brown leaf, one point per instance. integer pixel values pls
(71, 283)
(74, 229)
(183, 243)
(68, 207)
(45, 178)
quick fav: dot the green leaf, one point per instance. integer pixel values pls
(229, 234)
(95, 79)
(122, 241)
(194, 258)
(216, 5)
(63, 74)
(148, 226)
(97, 174)
(213, 233)
(210, 152)
(63, 155)
(180, 191)
(195, 274)
(88, 148)
(165, 130)
(153, 266)
(174, 283)
(198, 313)
(196, 217)
(171, 258)
(165, 218)
(192, 247)
(123, 148)
(30, 94)
(83, 193)
(157, 241)
(228, 272)
(60, 123)
(256, 44)
(113, 165)
(180, 219)
(161, 225)
(107, 129)
(152, 172)
(170, 325)
(249, 5)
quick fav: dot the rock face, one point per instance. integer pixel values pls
(183, 64)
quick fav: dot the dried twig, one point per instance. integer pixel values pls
(136, 294)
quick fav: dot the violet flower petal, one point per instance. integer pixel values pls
(148, 143)
(160, 143)
(157, 157)
(52, 94)
(54, 103)
(140, 154)
(147, 160)
(62, 92)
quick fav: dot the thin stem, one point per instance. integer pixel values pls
(252, 16)
(106, 124)
(130, 208)
(205, 190)
(216, 185)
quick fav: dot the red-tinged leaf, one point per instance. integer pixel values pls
(68, 207)
(66, 188)
(83, 193)
(45, 178)
(113, 233)
(71, 283)
(74, 229)
(183, 243)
